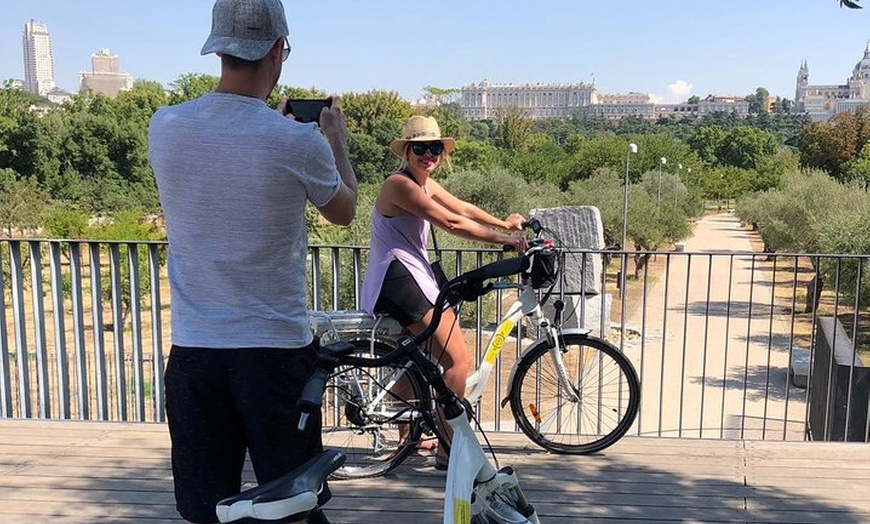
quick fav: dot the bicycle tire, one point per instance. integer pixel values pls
(368, 435)
(604, 379)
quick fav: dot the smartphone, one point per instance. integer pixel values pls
(307, 110)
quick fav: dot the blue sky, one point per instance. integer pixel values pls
(669, 48)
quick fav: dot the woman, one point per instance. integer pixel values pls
(399, 280)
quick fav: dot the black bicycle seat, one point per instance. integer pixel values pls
(296, 493)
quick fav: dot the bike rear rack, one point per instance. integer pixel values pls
(331, 326)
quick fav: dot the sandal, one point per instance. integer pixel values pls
(428, 444)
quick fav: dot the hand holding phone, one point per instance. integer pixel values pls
(306, 110)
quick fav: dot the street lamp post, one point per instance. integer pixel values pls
(632, 149)
(679, 179)
(662, 162)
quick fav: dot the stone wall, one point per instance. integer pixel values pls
(840, 385)
(579, 228)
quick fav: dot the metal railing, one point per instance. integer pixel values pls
(715, 337)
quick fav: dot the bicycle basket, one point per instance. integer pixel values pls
(543, 271)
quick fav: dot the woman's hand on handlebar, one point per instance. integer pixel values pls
(514, 222)
(516, 243)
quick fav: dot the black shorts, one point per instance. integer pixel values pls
(222, 403)
(401, 297)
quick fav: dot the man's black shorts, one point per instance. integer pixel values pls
(221, 403)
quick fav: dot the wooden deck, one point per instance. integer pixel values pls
(92, 472)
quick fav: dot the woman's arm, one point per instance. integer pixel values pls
(400, 193)
(512, 223)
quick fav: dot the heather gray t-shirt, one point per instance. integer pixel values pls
(233, 177)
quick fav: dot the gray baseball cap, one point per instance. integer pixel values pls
(246, 29)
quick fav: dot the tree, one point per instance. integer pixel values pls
(124, 226)
(831, 145)
(373, 120)
(745, 147)
(757, 101)
(541, 161)
(513, 128)
(191, 85)
(139, 104)
(21, 202)
(379, 114)
(706, 141)
(475, 155)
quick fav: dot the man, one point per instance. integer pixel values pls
(234, 177)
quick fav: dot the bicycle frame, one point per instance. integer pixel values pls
(526, 305)
(469, 472)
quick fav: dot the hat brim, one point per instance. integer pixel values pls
(251, 50)
(397, 147)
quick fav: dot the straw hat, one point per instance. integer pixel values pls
(420, 129)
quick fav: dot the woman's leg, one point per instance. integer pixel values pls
(447, 347)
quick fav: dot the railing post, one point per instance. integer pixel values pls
(136, 330)
(118, 330)
(16, 275)
(158, 390)
(100, 365)
(5, 369)
(60, 353)
(78, 319)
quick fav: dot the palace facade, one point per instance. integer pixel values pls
(483, 101)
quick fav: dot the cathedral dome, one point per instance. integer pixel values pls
(862, 68)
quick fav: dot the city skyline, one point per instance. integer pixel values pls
(672, 50)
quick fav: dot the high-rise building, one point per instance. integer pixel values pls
(38, 59)
(105, 76)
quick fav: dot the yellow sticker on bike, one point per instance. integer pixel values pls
(498, 341)
(461, 511)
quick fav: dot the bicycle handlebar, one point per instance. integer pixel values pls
(469, 286)
(312, 396)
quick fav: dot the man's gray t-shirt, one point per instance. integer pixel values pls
(234, 177)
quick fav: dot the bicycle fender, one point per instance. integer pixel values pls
(532, 347)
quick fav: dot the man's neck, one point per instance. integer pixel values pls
(249, 87)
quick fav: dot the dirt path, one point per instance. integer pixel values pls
(711, 334)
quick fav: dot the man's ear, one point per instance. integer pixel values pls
(277, 49)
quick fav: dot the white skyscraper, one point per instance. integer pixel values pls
(38, 58)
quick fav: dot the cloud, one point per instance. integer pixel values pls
(677, 92)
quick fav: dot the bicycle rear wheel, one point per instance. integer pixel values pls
(372, 414)
(604, 380)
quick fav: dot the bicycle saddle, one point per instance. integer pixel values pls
(293, 494)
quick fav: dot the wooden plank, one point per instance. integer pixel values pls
(94, 472)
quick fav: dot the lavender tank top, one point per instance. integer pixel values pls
(403, 238)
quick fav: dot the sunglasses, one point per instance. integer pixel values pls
(420, 148)
(286, 51)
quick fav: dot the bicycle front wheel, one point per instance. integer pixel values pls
(586, 415)
(372, 414)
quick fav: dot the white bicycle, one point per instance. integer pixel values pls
(570, 392)
(476, 491)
